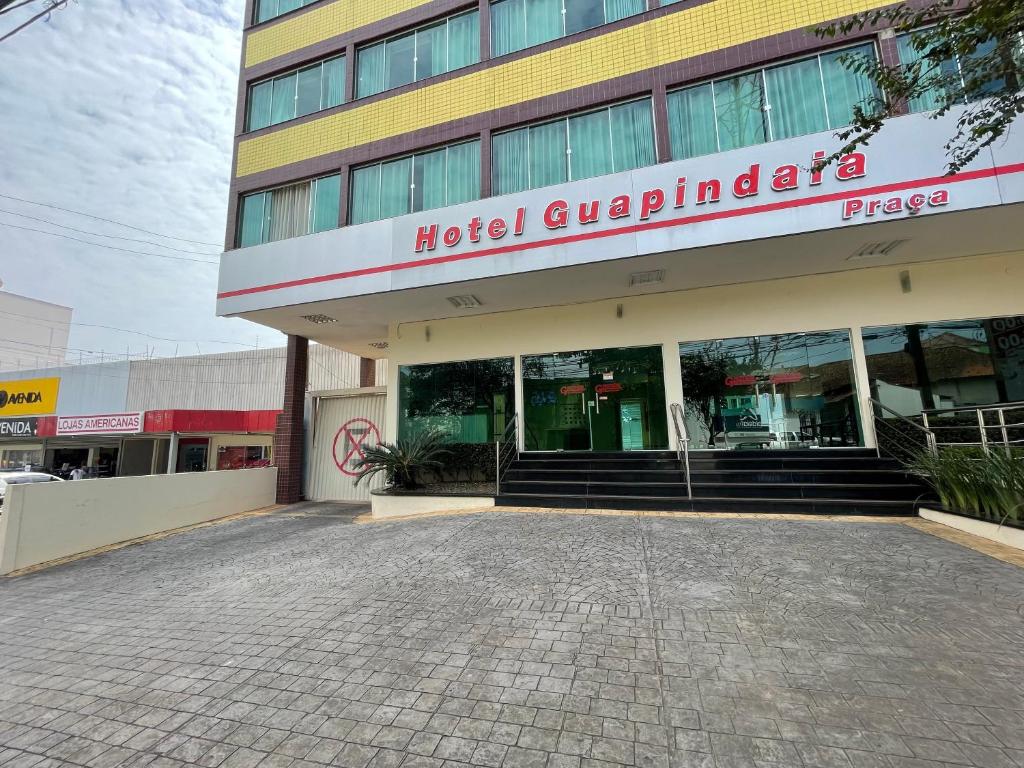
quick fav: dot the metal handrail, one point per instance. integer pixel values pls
(999, 407)
(509, 436)
(682, 442)
(930, 442)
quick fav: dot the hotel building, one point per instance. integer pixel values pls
(601, 222)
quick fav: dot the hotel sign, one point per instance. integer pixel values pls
(102, 424)
(655, 207)
(29, 397)
(761, 192)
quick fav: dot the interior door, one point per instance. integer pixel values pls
(631, 420)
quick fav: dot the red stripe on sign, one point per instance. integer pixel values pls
(781, 205)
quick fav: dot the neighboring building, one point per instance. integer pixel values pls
(586, 212)
(204, 412)
(34, 333)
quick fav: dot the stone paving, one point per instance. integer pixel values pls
(518, 641)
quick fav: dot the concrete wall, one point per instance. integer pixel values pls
(983, 286)
(35, 332)
(40, 523)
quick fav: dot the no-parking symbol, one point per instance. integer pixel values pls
(354, 436)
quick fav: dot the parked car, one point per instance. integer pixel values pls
(21, 478)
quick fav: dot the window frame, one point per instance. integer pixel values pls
(379, 166)
(568, 139)
(256, 12)
(760, 71)
(956, 61)
(564, 13)
(268, 209)
(321, 63)
(414, 32)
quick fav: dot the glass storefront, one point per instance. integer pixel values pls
(792, 390)
(949, 364)
(599, 399)
(469, 401)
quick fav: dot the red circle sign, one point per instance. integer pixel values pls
(353, 436)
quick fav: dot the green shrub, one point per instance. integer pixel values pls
(970, 482)
(403, 462)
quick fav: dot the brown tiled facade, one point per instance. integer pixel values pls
(654, 83)
(289, 439)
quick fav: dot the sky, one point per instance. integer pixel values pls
(123, 110)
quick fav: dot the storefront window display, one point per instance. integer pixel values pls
(791, 390)
(595, 400)
(470, 401)
(948, 364)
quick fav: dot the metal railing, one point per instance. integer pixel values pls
(682, 443)
(972, 426)
(506, 451)
(893, 437)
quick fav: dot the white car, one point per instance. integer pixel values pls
(21, 478)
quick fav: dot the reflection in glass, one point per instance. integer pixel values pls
(470, 401)
(602, 400)
(785, 391)
(946, 364)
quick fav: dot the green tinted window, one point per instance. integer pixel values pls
(469, 401)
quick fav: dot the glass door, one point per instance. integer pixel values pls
(791, 390)
(595, 400)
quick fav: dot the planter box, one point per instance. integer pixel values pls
(1011, 537)
(386, 505)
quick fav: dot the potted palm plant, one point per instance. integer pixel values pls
(403, 461)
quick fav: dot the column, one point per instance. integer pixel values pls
(862, 382)
(172, 454)
(367, 372)
(673, 384)
(288, 439)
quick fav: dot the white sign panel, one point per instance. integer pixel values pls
(770, 190)
(101, 424)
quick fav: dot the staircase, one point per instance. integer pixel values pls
(844, 482)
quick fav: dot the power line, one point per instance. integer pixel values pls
(102, 234)
(104, 245)
(52, 5)
(109, 221)
(43, 323)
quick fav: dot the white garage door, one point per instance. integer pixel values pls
(344, 426)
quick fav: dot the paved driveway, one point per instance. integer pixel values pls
(518, 641)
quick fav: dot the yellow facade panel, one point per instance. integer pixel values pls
(699, 30)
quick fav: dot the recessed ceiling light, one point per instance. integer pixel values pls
(379, 344)
(876, 250)
(464, 302)
(653, 277)
(319, 319)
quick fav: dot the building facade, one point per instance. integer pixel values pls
(35, 333)
(140, 417)
(582, 213)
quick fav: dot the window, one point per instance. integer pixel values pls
(947, 364)
(793, 99)
(469, 401)
(297, 93)
(416, 55)
(951, 71)
(270, 9)
(609, 140)
(791, 390)
(518, 24)
(595, 399)
(446, 176)
(291, 211)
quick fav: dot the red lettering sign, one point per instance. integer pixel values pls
(573, 389)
